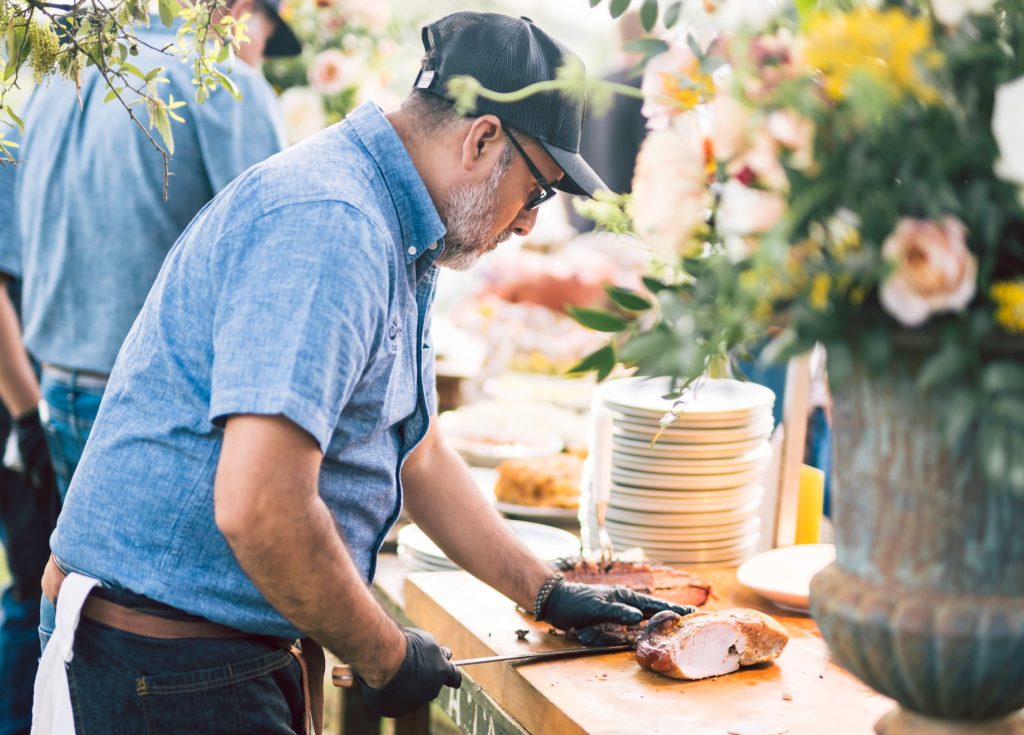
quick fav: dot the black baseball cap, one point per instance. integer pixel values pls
(505, 54)
(283, 42)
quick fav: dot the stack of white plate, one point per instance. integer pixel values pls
(689, 492)
(423, 555)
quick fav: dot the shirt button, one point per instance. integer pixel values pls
(432, 246)
(393, 332)
(412, 251)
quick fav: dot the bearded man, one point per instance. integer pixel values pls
(272, 408)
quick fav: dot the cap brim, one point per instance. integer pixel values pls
(284, 42)
(579, 177)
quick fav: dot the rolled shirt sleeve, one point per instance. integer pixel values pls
(304, 308)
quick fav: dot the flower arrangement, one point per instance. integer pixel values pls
(844, 173)
(345, 46)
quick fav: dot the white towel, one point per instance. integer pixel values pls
(51, 706)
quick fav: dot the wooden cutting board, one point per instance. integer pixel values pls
(803, 693)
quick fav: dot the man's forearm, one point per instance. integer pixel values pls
(286, 541)
(445, 502)
(19, 389)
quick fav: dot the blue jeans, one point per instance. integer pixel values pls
(19, 620)
(72, 402)
(125, 684)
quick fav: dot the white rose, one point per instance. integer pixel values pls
(303, 113)
(744, 211)
(747, 15)
(951, 12)
(1007, 125)
(933, 269)
(671, 198)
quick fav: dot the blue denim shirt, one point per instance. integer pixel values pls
(94, 225)
(10, 240)
(304, 290)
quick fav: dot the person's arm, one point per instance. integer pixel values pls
(19, 389)
(267, 506)
(445, 502)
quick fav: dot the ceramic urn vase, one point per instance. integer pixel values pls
(925, 602)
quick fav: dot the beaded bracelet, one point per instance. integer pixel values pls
(544, 592)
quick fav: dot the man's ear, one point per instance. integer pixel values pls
(238, 8)
(482, 142)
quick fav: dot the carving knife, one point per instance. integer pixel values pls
(343, 676)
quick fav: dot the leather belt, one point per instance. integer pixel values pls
(308, 654)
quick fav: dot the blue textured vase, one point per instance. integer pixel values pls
(925, 602)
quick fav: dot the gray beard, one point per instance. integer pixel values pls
(468, 213)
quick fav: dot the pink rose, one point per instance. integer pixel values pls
(933, 269)
(730, 128)
(795, 133)
(332, 71)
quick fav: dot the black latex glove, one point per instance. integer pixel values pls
(571, 606)
(35, 455)
(424, 671)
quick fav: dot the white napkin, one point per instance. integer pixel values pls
(51, 705)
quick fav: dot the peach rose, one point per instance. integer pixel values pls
(332, 71)
(795, 133)
(730, 127)
(672, 84)
(303, 113)
(934, 270)
(671, 198)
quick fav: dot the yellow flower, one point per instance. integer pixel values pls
(887, 47)
(821, 286)
(1009, 298)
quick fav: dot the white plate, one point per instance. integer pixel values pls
(663, 465)
(692, 503)
(546, 542)
(647, 432)
(724, 546)
(641, 447)
(537, 512)
(683, 520)
(711, 396)
(481, 454)
(671, 496)
(690, 421)
(710, 556)
(646, 480)
(711, 533)
(783, 575)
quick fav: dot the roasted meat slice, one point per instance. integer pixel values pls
(657, 580)
(649, 578)
(708, 644)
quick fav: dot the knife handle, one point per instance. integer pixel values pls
(343, 677)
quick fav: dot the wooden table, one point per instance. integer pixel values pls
(803, 693)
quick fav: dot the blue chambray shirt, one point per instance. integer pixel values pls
(10, 240)
(94, 226)
(303, 289)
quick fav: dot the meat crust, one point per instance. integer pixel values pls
(658, 580)
(707, 644)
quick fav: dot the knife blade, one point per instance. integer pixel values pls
(343, 677)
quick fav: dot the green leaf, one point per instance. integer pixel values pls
(672, 13)
(226, 82)
(602, 361)
(594, 3)
(111, 95)
(618, 7)
(597, 319)
(653, 284)
(942, 368)
(160, 119)
(1003, 376)
(168, 10)
(14, 116)
(646, 345)
(649, 14)
(627, 299)
(961, 409)
(691, 41)
(646, 46)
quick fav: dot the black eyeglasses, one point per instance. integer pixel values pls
(546, 190)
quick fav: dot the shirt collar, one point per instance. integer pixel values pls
(417, 216)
